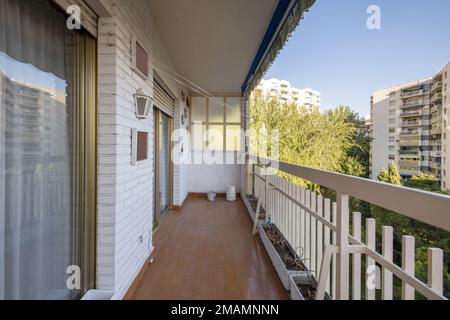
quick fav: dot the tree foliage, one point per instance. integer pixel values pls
(426, 236)
(337, 140)
(424, 181)
(391, 175)
(306, 137)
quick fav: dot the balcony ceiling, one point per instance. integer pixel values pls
(213, 42)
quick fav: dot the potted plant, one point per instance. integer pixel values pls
(304, 287)
(283, 257)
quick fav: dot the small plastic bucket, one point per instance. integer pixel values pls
(231, 193)
(211, 196)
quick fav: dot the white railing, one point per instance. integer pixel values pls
(318, 229)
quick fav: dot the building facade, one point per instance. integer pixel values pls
(410, 128)
(283, 90)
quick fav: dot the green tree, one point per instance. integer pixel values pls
(391, 175)
(425, 182)
(306, 137)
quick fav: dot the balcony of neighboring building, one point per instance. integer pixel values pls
(411, 132)
(437, 97)
(414, 103)
(412, 113)
(437, 83)
(411, 123)
(413, 93)
(436, 129)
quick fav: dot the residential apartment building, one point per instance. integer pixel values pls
(410, 128)
(286, 93)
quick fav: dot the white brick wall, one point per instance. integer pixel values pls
(125, 192)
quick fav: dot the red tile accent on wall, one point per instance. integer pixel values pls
(142, 146)
(141, 59)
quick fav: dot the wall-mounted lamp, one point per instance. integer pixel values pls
(143, 103)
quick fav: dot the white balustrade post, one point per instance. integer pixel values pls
(356, 270)
(267, 207)
(308, 229)
(371, 272)
(342, 225)
(327, 235)
(313, 225)
(435, 270)
(408, 264)
(334, 241)
(388, 254)
(319, 233)
(302, 221)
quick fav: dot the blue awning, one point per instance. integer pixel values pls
(286, 18)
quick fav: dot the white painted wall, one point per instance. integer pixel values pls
(380, 115)
(204, 178)
(125, 192)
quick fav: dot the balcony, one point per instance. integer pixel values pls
(410, 163)
(436, 108)
(319, 227)
(411, 133)
(415, 93)
(436, 85)
(417, 103)
(409, 171)
(436, 131)
(207, 251)
(409, 152)
(436, 97)
(410, 142)
(435, 154)
(407, 114)
(435, 165)
(406, 124)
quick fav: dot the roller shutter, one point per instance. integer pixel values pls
(162, 100)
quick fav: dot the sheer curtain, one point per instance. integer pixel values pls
(37, 219)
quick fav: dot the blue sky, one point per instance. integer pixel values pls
(28, 73)
(335, 53)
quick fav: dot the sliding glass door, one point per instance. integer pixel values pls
(47, 153)
(163, 165)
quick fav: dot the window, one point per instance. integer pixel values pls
(216, 123)
(49, 77)
(391, 139)
(391, 148)
(391, 157)
(392, 103)
(391, 121)
(392, 112)
(391, 130)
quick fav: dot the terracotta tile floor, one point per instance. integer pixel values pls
(206, 252)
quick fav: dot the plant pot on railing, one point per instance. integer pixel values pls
(251, 202)
(283, 271)
(304, 287)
